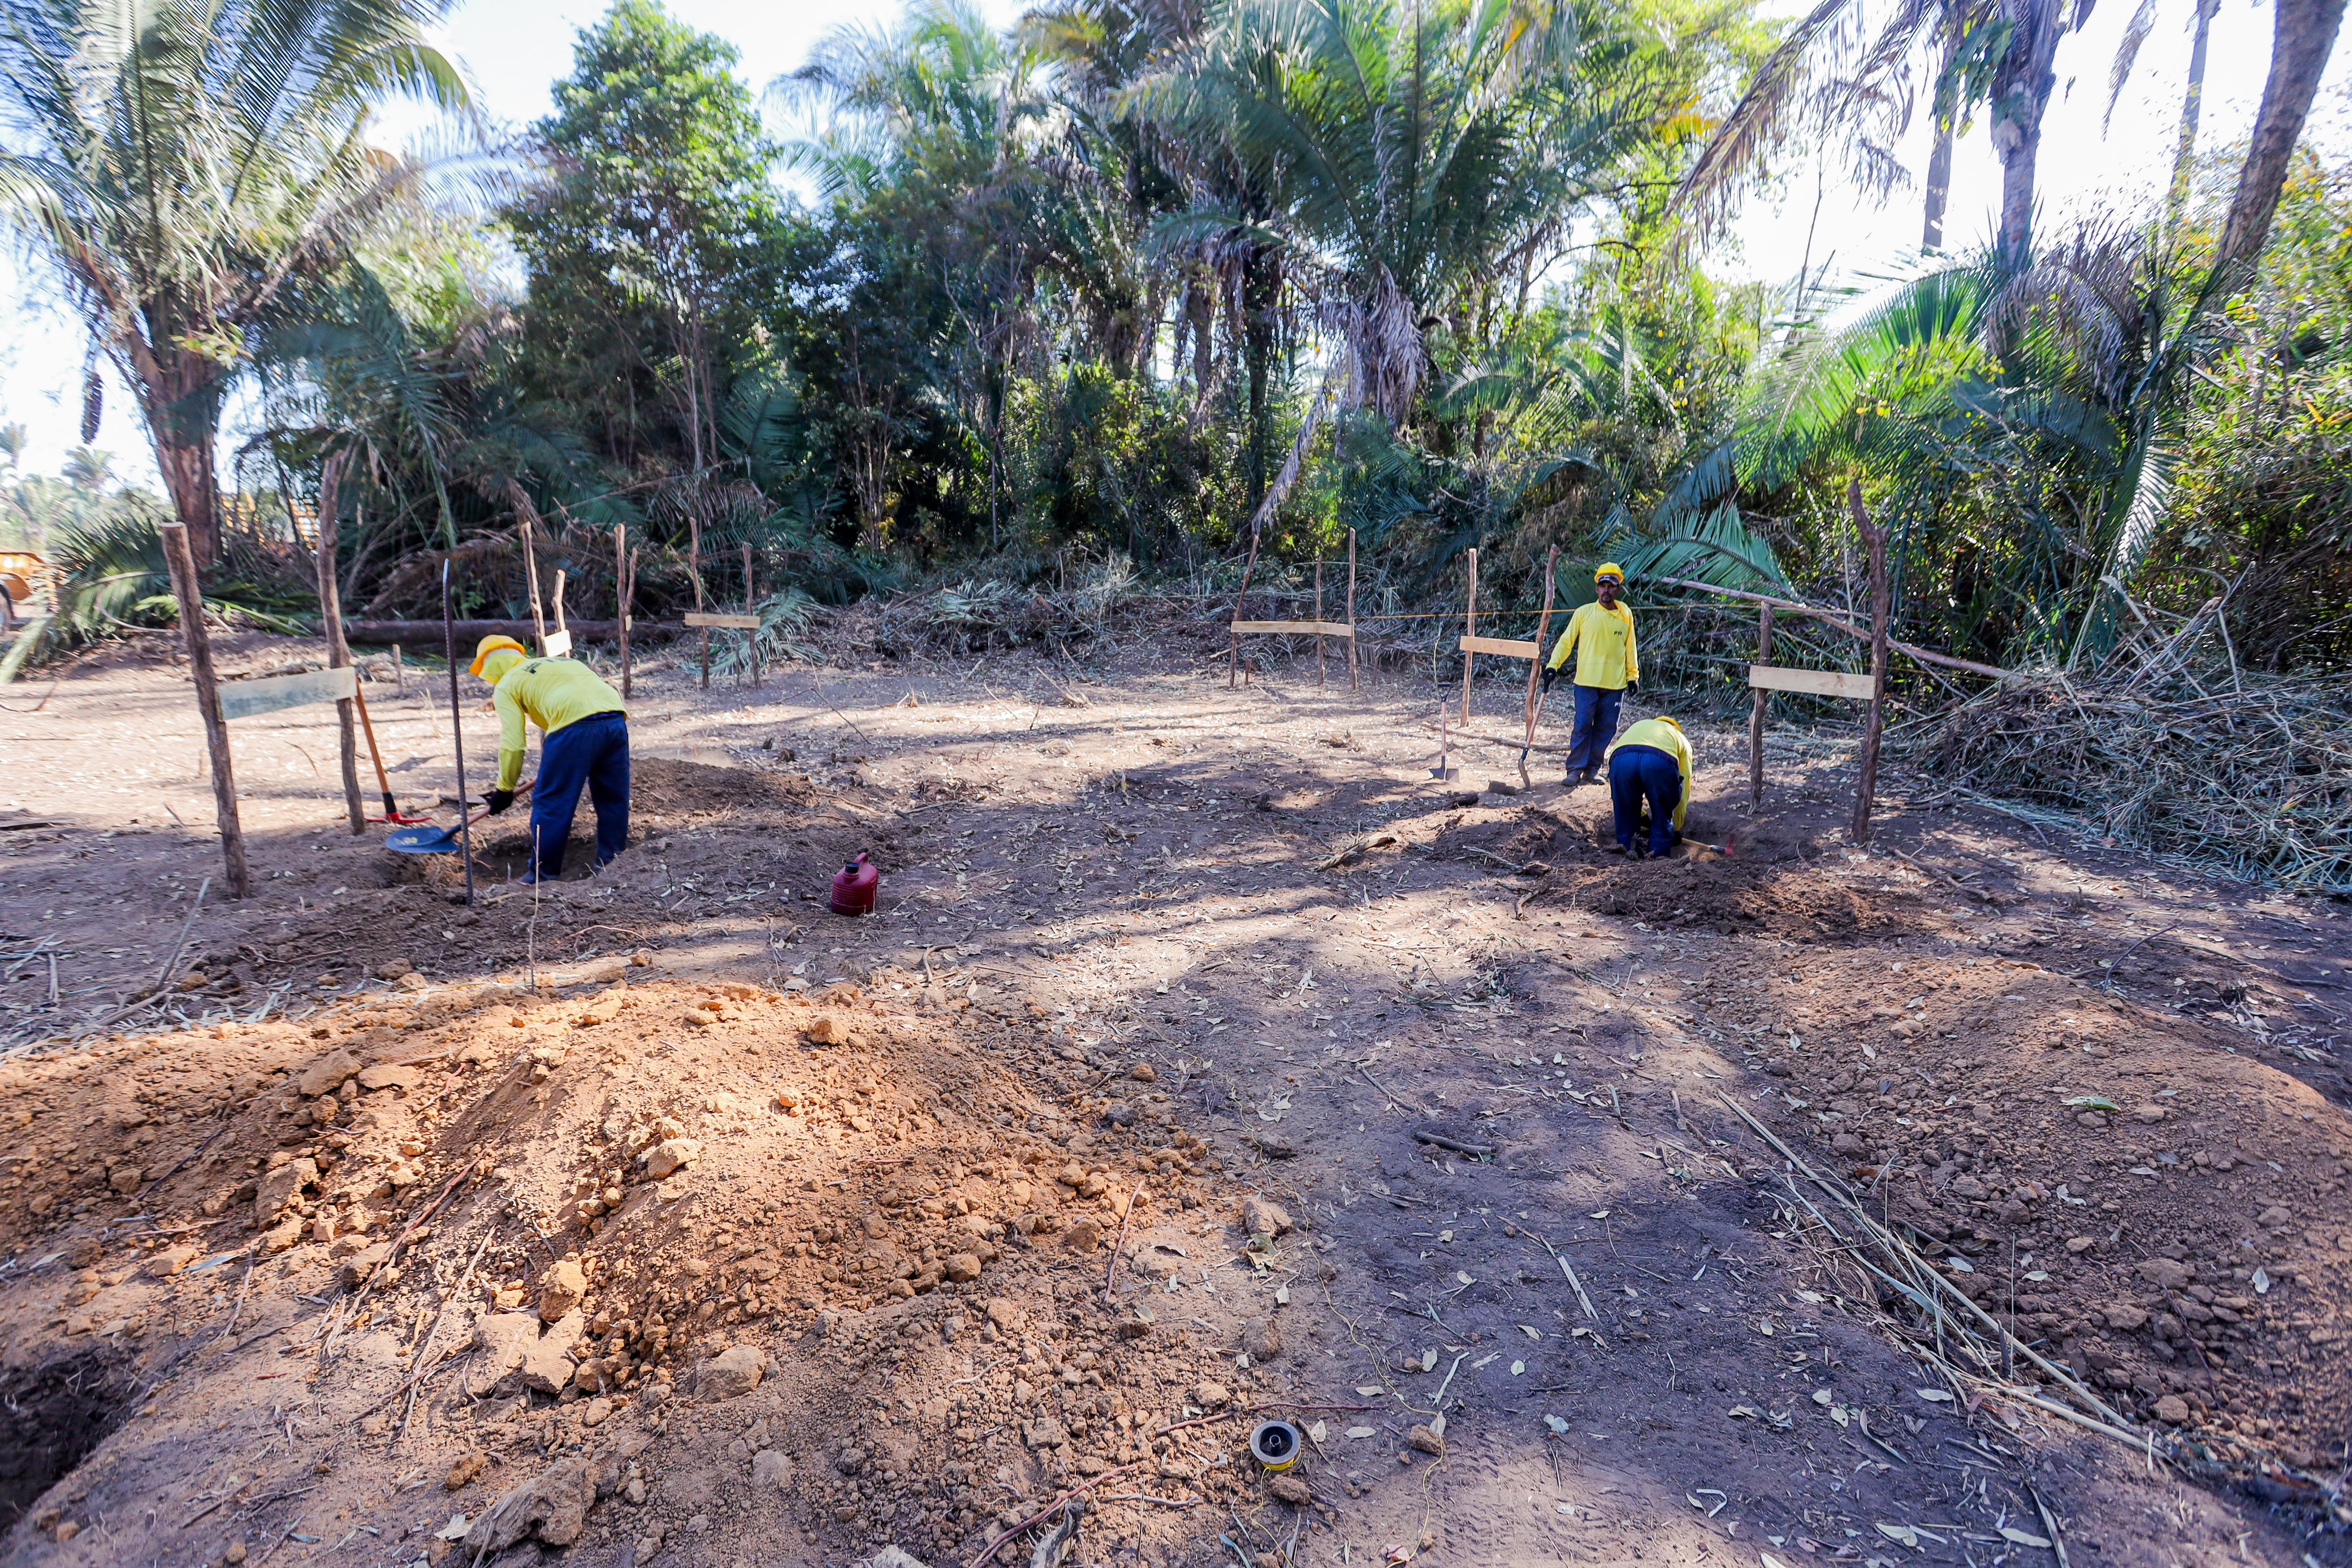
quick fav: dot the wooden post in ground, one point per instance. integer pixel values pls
(185, 588)
(1318, 620)
(751, 607)
(458, 735)
(1756, 714)
(1351, 609)
(399, 674)
(1543, 627)
(621, 587)
(330, 625)
(694, 570)
(560, 627)
(1234, 664)
(531, 576)
(1469, 630)
(1874, 534)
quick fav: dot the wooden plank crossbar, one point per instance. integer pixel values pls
(1294, 628)
(559, 645)
(245, 699)
(1812, 682)
(1508, 647)
(1237, 670)
(723, 622)
(1764, 678)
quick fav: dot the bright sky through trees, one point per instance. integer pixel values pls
(515, 49)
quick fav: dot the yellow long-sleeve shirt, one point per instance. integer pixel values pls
(550, 693)
(1603, 641)
(1659, 735)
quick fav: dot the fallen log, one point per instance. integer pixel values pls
(427, 633)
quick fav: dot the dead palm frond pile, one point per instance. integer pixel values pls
(1086, 608)
(2251, 771)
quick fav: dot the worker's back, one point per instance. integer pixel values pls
(554, 692)
(1659, 735)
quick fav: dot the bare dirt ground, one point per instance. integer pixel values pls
(667, 1219)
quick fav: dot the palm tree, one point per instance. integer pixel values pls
(1832, 82)
(87, 468)
(1406, 154)
(183, 163)
(943, 93)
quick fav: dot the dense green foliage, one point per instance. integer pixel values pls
(1142, 279)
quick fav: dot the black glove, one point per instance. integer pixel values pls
(1549, 675)
(1634, 686)
(498, 801)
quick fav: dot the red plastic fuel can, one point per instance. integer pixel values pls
(854, 885)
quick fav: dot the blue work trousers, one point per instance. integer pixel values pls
(593, 751)
(1596, 726)
(1640, 776)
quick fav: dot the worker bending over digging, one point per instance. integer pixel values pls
(1601, 635)
(1652, 768)
(586, 741)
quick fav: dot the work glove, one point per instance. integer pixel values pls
(1549, 675)
(498, 801)
(1634, 686)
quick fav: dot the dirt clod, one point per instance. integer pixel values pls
(1264, 1217)
(561, 1289)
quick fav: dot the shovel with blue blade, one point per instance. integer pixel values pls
(432, 840)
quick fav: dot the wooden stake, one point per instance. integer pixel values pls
(186, 591)
(1233, 665)
(457, 733)
(1535, 665)
(559, 599)
(621, 587)
(1318, 618)
(1756, 714)
(1874, 534)
(694, 570)
(399, 674)
(751, 607)
(1351, 609)
(1469, 629)
(531, 576)
(330, 622)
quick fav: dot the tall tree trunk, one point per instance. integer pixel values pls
(1944, 118)
(179, 555)
(2192, 105)
(2302, 35)
(330, 625)
(1199, 312)
(1939, 188)
(189, 479)
(1260, 291)
(2022, 83)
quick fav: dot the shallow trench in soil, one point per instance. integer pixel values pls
(1207, 1063)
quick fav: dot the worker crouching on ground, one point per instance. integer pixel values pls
(585, 732)
(1651, 768)
(1601, 635)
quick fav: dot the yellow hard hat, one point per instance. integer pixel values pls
(489, 645)
(1608, 568)
(1665, 719)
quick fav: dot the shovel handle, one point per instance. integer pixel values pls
(483, 814)
(383, 780)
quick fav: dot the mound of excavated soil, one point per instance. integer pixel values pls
(2140, 1196)
(640, 1258)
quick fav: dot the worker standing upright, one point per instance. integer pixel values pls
(1601, 635)
(586, 741)
(1651, 768)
